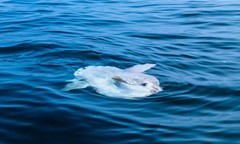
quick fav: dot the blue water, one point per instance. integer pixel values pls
(195, 44)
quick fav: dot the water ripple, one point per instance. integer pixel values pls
(195, 45)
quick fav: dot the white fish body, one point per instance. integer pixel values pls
(115, 82)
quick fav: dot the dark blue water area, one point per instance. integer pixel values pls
(195, 44)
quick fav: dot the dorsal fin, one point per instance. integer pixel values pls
(140, 67)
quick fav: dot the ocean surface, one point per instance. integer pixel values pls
(195, 44)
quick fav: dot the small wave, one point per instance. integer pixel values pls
(26, 47)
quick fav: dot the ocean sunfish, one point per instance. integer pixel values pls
(115, 82)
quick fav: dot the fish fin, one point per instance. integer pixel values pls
(118, 78)
(140, 67)
(75, 84)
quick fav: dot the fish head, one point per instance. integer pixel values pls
(140, 82)
(150, 83)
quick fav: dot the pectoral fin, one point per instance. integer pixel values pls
(118, 78)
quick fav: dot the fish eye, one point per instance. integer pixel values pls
(144, 84)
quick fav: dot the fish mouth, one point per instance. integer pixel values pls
(155, 90)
